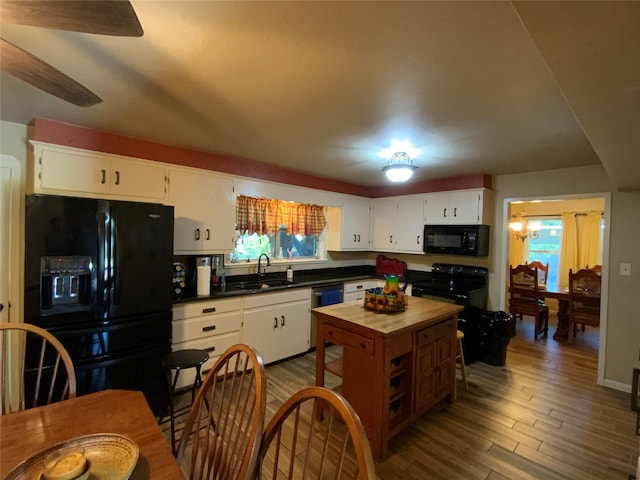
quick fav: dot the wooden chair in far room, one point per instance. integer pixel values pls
(526, 298)
(222, 433)
(543, 272)
(35, 368)
(584, 300)
(315, 434)
(596, 268)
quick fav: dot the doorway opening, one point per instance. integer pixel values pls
(539, 238)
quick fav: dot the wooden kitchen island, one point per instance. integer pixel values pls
(394, 366)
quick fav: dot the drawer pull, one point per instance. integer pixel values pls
(208, 328)
(210, 349)
(363, 345)
(209, 310)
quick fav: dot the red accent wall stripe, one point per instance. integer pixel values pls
(59, 133)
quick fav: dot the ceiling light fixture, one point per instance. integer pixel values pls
(400, 168)
(522, 229)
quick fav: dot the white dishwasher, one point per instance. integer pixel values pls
(322, 296)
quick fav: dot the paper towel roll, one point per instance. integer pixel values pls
(204, 280)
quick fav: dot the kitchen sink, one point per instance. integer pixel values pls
(258, 285)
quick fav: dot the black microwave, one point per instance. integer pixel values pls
(471, 240)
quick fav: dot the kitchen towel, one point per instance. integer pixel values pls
(204, 280)
(330, 297)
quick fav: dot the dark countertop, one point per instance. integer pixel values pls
(302, 279)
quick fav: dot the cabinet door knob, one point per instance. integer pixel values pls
(117, 177)
(362, 344)
(282, 321)
(455, 211)
(445, 213)
(104, 176)
(207, 234)
(418, 240)
(354, 237)
(197, 234)
(358, 238)
(390, 238)
(275, 322)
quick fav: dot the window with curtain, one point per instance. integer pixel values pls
(283, 230)
(546, 248)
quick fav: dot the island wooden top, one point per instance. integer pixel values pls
(110, 411)
(418, 311)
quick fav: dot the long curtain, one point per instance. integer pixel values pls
(581, 243)
(517, 250)
(265, 216)
(568, 248)
(589, 233)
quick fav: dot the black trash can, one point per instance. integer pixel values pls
(497, 328)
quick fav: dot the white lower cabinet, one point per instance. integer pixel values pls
(277, 324)
(211, 325)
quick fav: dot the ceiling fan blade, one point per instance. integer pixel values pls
(30, 69)
(101, 17)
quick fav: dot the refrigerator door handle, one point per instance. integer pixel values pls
(113, 260)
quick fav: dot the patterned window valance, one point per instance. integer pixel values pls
(265, 215)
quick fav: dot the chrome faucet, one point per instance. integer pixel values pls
(259, 260)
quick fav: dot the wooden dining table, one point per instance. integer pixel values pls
(562, 296)
(125, 412)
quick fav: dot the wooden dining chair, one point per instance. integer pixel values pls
(315, 434)
(596, 268)
(525, 297)
(222, 433)
(584, 300)
(35, 368)
(543, 271)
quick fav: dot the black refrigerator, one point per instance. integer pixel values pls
(98, 276)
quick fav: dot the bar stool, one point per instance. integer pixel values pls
(178, 361)
(460, 358)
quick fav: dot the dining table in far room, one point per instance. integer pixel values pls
(123, 412)
(562, 296)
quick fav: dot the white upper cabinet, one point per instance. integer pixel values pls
(204, 216)
(349, 227)
(58, 170)
(398, 224)
(462, 207)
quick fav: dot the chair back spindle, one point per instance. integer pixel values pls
(35, 368)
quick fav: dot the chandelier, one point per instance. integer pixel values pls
(522, 229)
(400, 168)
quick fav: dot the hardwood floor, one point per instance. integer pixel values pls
(541, 416)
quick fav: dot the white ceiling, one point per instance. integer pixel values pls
(324, 87)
